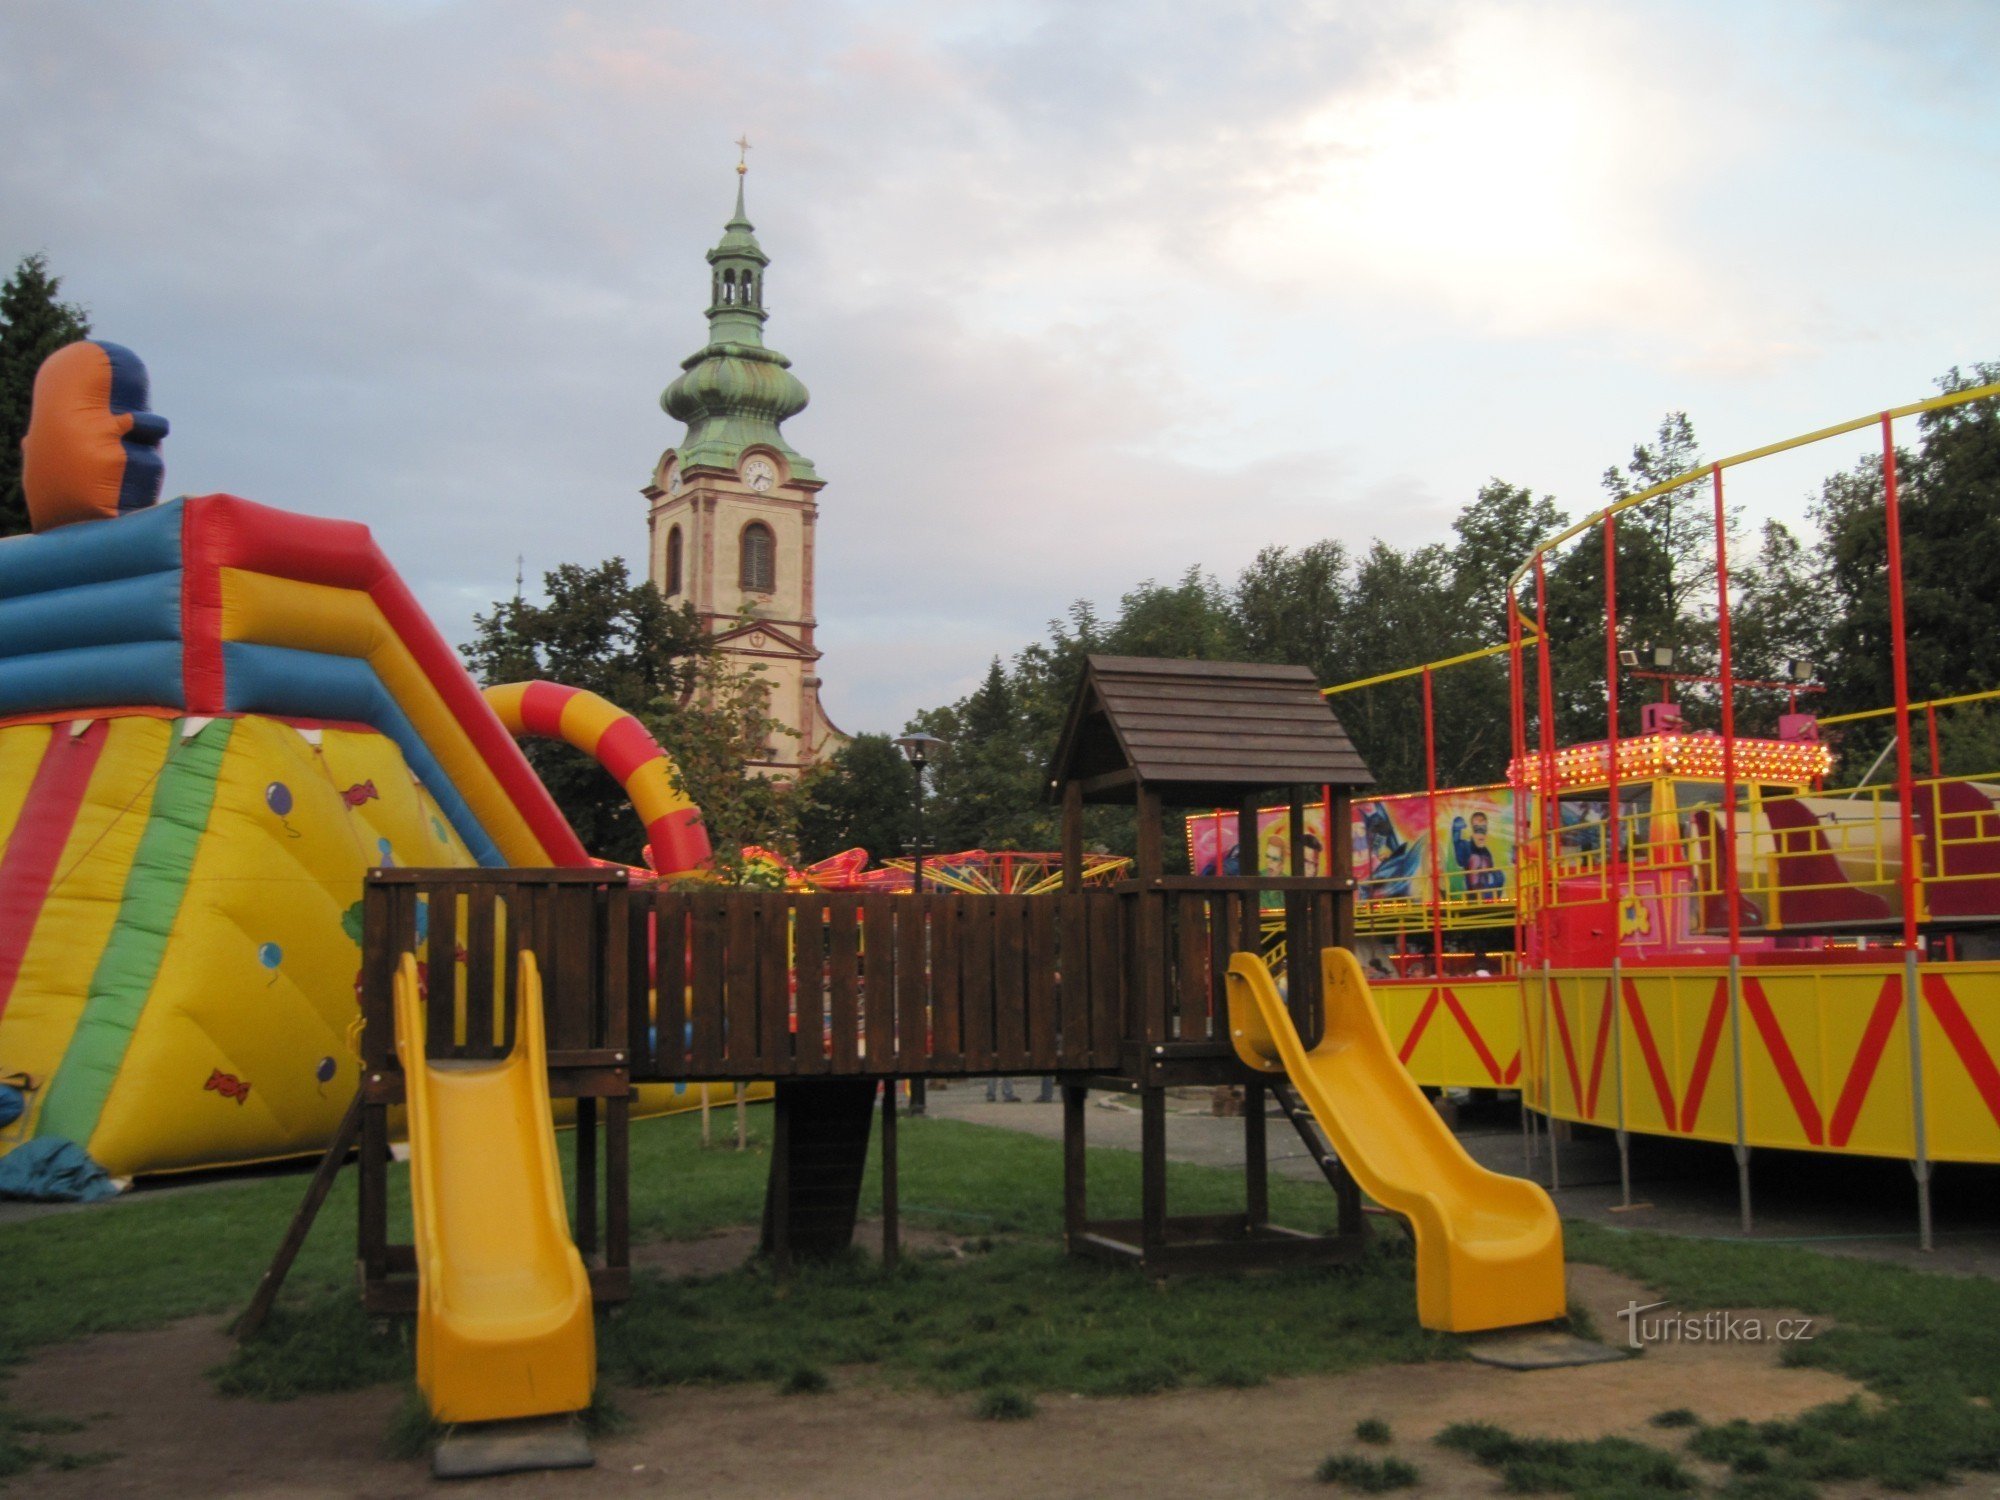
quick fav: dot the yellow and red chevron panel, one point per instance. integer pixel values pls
(675, 834)
(1456, 1034)
(1826, 1056)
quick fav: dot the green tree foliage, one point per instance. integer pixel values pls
(1294, 606)
(1949, 493)
(985, 791)
(1576, 625)
(601, 631)
(33, 325)
(860, 798)
(1681, 523)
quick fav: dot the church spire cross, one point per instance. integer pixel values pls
(742, 152)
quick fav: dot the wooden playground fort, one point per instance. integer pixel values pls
(1701, 934)
(836, 996)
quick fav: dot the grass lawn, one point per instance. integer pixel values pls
(1014, 1317)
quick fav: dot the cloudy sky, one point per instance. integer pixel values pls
(1085, 293)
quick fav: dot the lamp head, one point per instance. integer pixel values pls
(920, 749)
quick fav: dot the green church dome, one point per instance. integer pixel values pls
(733, 393)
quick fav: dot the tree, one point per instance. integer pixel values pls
(1778, 616)
(1191, 620)
(1949, 494)
(862, 797)
(1680, 522)
(1292, 606)
(1576, 621)
(33, 325)
(715, 736)
(600, 631)
(1496, 533)
(986, 789)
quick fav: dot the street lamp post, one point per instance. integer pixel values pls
(920, 750)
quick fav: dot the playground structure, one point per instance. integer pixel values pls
(1700, 934)
(832, 994)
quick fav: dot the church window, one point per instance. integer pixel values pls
(673, 562)
(759, 571)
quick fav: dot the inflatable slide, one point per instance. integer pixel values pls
(215, 718)
(1489, 1247)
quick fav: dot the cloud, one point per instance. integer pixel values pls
(1085, 294)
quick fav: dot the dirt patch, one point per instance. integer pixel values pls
(148, 1400)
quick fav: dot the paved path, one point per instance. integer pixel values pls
(1845, 1205)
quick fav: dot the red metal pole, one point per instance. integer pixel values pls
(1613, 848)
(1550, 830)
(1431, 801)
(1905, 788)
(1731, 878)
(1517, 714)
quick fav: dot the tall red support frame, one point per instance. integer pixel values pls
(1726, 665)
(1899, 654)
(1614, 847)
(1431, 802)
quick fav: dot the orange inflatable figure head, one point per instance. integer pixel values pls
(93, 450)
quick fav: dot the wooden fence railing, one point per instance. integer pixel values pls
(689, 986)
(783, 984)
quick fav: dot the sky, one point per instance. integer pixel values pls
(1086, 294)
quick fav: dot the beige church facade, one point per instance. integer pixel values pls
(732, 508)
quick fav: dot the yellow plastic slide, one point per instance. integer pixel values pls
(1489, 1247)
(504, 1325)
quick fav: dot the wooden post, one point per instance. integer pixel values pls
(1340, 864)
(1249, 865)
(1075, 1193)
(586, 1177)
(1072, 837)
(1152, 1172)
(1256, 1161)
(1150, 929)
(1301, 963)
(892, 1239)
(781, 1181)
(618, 1182)
(302, 1222)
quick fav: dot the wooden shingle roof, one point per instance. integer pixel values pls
(1200, 733)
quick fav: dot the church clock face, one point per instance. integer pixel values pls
(760, 474)
(674, 480)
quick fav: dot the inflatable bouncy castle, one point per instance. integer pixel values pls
(215, 718)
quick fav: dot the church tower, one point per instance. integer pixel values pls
(732, 508)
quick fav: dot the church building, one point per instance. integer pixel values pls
(732, 508)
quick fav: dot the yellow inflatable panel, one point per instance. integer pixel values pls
(504, 1326)
(182, 983)
(1489, 1247)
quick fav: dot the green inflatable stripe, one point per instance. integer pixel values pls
(147, 911)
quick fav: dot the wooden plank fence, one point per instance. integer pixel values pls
(694, 986)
